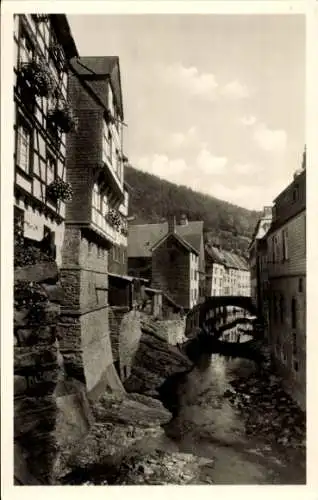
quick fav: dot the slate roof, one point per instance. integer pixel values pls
(142, 237)
(215, 254)
(100, 69)
(63, 30)
(228, 259)
(179, 238)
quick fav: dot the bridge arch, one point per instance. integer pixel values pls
(205, 312)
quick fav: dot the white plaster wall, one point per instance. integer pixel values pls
(34, 223)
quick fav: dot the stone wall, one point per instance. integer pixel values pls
(173, 331)
(37, 370)
(85, 336)
(129, 337)
(116, 315)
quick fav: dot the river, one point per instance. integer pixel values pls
(207, 424)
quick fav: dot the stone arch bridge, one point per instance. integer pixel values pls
(215, 311)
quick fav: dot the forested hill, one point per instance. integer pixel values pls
(151, 199)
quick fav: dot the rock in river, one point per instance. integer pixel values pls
(154, 362)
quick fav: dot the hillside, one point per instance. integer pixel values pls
(152, 198)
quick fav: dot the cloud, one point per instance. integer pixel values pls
(245, 168)
(162, 166)
(248, 120)
(210, 164)
(178, 139)
(270, 140)
(199, 84)
(235, 90)
(190, 80)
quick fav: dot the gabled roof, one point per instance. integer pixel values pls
(63, 31)
(179, 238)
(97, 72)
(142, 237)
(261, 228)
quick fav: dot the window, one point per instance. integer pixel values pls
(294, 313)
(23, 157)
(26, 49)
(275, 309)
(104, 205)
(273, 249)
(110, 100)
(282, 309)
(107, 142)
(116, 253)
(285, 244)
(295, 193)
(56, 53)
(96, 197)
(51, 166)
(300, 285)
(294, 344)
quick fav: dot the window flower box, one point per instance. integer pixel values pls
(39, 77)
(114, 219)
(60, 190)
(63, 117)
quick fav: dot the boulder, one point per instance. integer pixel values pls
(154, 362)
(121, 421)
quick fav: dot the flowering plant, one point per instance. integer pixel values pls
(63, 117)
(38, 75)
(114, 219)
(60, 190)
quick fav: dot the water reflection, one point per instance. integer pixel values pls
(203, 410)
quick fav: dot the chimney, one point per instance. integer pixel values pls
(183, 220)
(172, 224)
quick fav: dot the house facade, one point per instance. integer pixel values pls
(95, 219)
(257, 256)
(226, 273)
(215, 271)
(286, 267)
(142, 238)
(43, 46)
(175, 268)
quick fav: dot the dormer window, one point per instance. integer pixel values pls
(295, 193)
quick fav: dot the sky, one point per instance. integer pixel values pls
(214, 102)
